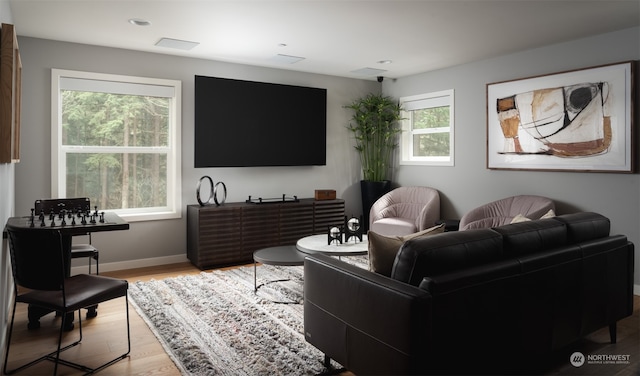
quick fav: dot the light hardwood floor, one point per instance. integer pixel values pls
(105, 337)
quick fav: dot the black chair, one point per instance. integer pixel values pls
(71, 207)
(86, 250)
(39, 265)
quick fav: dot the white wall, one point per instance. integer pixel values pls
(469, 183)
(167, 239)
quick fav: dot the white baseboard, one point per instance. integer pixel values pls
(132, 264)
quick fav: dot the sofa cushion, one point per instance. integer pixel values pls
(532, 236)
(585, 226)
(394, 226)
(521, 218)
(432, 255)
(383, 249)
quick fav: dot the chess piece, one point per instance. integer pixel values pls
(334, 234)
(62, 211)
(352, 228)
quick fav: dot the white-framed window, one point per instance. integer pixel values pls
(116, 140)
(427, 129)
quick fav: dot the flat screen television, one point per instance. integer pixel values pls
(244, 123)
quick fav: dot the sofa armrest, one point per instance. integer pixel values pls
(365, 321)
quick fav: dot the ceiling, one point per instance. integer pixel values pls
(347, 38)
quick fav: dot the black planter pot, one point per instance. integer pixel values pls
(371, 192)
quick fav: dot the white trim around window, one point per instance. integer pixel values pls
(410, 134)
(129, 85)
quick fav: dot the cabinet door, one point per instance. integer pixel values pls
(328, 214)
(219, 238)
(260, 224)
(296, 221)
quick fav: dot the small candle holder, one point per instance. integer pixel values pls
(352, 228)
(334, 233)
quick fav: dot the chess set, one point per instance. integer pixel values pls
(70, 216)
(67, 217)
(65, 212)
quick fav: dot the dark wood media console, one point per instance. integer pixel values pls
(230, 233)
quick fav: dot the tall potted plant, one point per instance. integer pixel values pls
(375, 126)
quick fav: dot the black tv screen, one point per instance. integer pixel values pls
(245, 123)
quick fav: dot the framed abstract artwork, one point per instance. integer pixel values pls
(579, 120)
(10, 94)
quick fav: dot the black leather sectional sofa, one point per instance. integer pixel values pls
(495, 300)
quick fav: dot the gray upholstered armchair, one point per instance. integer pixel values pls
(502, 212)
(405, 210)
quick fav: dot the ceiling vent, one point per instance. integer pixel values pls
(177, 44)
(286, 59)
(368, 71)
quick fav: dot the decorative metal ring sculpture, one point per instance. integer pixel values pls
(213, 192)
(210, 191)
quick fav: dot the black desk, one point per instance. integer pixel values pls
(110, 222)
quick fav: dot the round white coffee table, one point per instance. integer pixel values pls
(320, 244)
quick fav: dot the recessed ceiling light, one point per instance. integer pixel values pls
(139, 22)
(282, 45)
(385, 62)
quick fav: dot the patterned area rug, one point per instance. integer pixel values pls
(214, 324)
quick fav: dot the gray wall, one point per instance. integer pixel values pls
(165, 241)
(469, 183)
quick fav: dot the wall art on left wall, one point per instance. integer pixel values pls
(10, 91)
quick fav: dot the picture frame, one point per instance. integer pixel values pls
(10, 95)
(579, 120)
